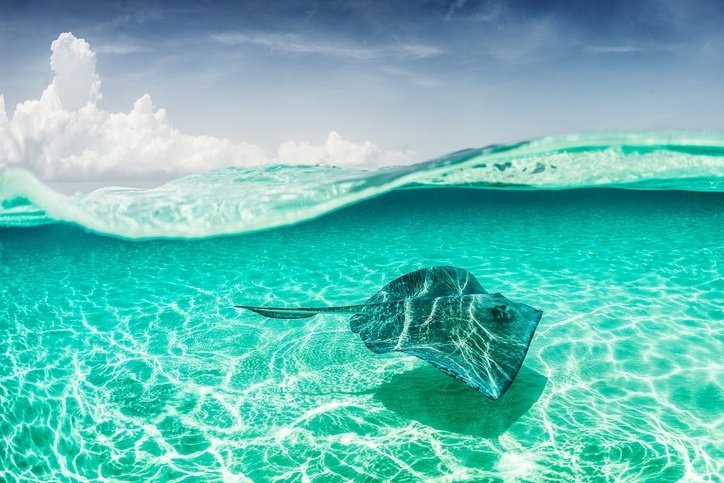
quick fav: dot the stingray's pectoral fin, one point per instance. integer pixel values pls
(487, 358)
(280, 312)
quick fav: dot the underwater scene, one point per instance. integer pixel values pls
(124, 357)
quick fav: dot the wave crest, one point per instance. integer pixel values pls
(237, 200)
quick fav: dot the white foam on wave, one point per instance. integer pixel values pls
(237, 200)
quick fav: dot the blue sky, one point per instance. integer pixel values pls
(428, 76)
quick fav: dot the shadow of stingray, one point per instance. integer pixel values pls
(442, 402)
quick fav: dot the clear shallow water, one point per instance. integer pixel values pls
(239, 200)
(125, 359)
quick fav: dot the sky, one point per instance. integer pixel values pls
(143, 91)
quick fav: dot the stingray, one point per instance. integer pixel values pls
(443, 316)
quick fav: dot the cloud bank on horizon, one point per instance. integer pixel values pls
(433, 76)
(64, 135)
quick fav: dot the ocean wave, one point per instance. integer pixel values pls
(238, 200)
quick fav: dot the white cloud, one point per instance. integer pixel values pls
(296, 44)
(64, 135)
(531, 41)
(418, 51)
(630, 49)
(611, 49)
(76, 82)
(121, 48)
(363, 155)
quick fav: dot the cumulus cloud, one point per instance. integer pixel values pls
(365, 155)
(65, 135)
(76, 82)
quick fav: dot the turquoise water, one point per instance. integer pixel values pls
(124, 359)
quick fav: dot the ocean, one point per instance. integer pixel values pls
(123, 357)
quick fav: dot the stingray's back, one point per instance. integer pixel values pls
(425, 283)
(445, 317)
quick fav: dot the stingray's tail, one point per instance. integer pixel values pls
(300, 312)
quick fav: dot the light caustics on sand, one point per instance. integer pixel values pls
(236, 200)
(125, 359)
(443, 316)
